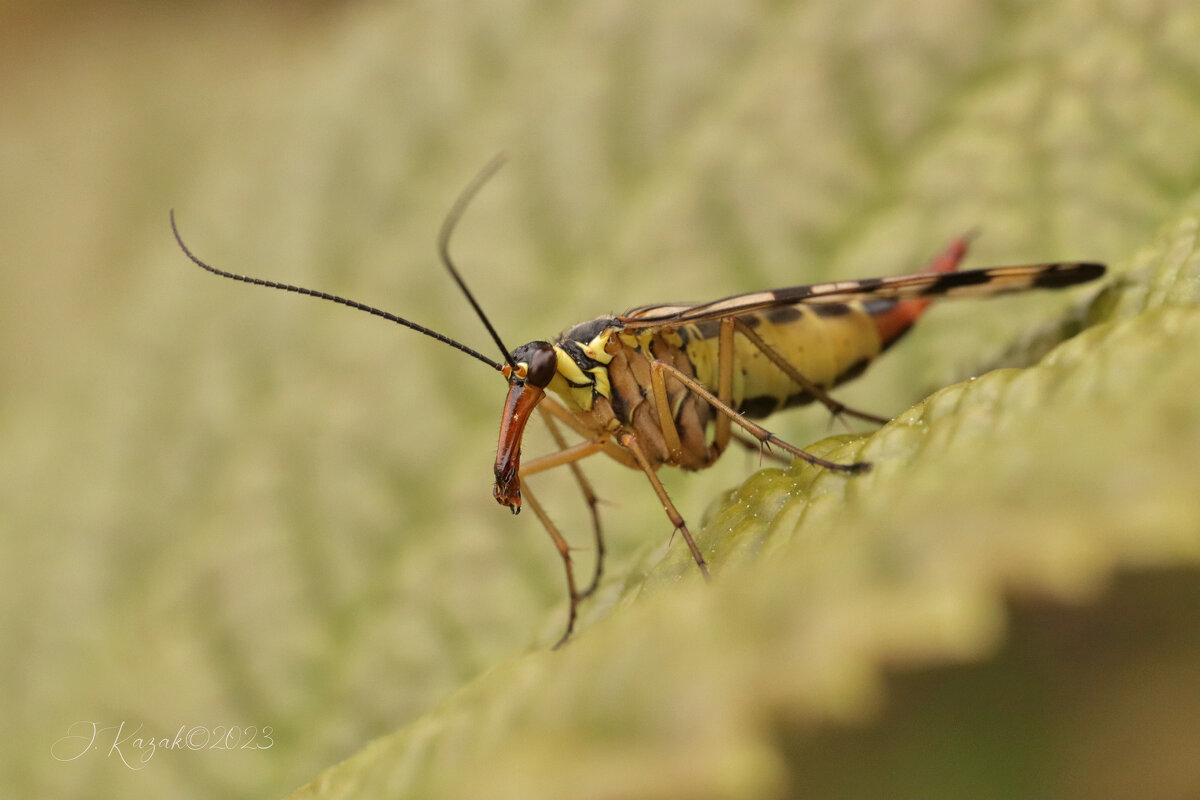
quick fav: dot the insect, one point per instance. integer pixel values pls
(663, 385)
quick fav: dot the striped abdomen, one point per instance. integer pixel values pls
(828, 343)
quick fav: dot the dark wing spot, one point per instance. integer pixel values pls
(867, 285)
(1060, 275)
(955, 280)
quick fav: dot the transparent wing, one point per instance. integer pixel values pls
(969, 283)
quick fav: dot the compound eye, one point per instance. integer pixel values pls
(543, 363)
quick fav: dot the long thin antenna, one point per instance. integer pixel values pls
(336, 299)
(456, 212)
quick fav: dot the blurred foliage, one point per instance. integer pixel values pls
(224, 508)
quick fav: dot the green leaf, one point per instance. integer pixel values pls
(228, 509)
(1034, 483)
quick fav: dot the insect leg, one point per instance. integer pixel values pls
(568, 455)
(666, 420)
(630, 442)
(552, 407)
(589, 497)
(755, 446)
(820, 395)
(755, 430)
(564, 551)
(724, 385)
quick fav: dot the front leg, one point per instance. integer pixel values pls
(589, 497)
(564, 552)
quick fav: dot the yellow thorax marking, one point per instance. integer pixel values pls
(574, 385)
(641, 340)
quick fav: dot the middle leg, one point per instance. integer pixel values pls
(629, 441)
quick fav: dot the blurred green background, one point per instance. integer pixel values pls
(223, 508)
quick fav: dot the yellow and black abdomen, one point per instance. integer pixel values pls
(827, 343)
